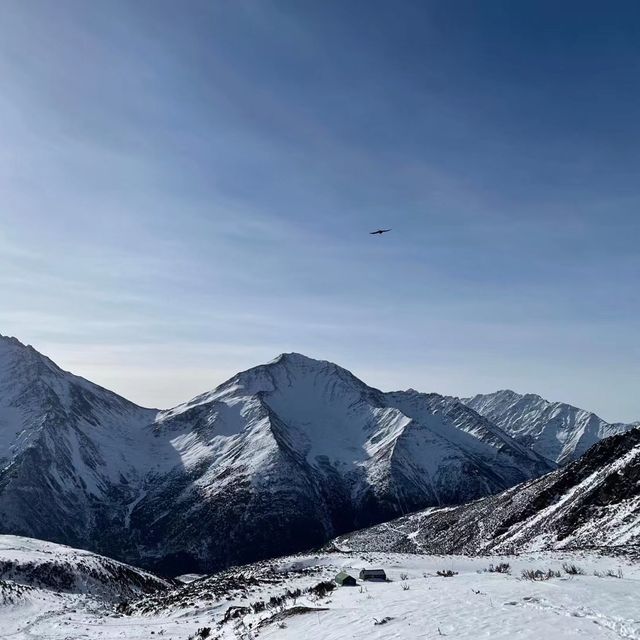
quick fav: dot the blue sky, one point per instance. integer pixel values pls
(186, 190)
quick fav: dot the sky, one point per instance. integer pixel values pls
(187, 190)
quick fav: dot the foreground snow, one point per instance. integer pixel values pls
(416, 602)
(478, 605)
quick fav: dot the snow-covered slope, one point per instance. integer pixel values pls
(280, 457)
(555, 430)
(296, 597)
(49, 590)
(592, 502)
(621, 427)
(46, 565)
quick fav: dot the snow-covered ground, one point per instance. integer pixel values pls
(69, 617)
(416, 603)
(479, 604)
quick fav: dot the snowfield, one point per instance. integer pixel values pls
(415, 603)
(478, 604)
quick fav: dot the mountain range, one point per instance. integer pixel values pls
(279, 458)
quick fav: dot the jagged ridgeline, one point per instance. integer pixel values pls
(556, 430)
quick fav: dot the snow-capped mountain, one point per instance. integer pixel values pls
(72, 454)
(281, 457)
(299, 448)
(592, 502)
(555, 430)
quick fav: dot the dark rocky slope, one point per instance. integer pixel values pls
(593, 502)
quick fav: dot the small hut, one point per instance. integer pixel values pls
(345, 580)
(373, 574)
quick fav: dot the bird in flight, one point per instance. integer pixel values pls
(379, 232)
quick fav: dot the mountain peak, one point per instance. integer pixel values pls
(294, 358)
(22, 357)
(295, 365)
(10, 342)
(296, 368)
(504, 393)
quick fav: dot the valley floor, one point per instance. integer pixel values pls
(416, 603)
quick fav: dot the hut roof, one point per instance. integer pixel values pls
(343, 576)
(373, 573)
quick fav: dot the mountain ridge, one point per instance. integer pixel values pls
(556, 430)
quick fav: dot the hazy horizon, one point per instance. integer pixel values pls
(188, 191)
(228, 375)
